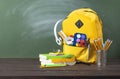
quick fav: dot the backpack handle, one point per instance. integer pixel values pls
(58, 39)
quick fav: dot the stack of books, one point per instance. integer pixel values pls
(56, 60)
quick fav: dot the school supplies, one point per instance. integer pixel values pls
(80, 40)
(98, 44)
(101, 58)
(81, 22)
(68, 40)
(102, 46)
(107, 44)
(101, 49)
(53, 59)
(62, 34)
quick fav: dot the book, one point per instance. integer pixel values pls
(51, 60)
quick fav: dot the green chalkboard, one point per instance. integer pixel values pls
(26, 26)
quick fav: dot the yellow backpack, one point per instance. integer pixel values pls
(81, 25)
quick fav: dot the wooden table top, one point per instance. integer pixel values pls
(30, 67)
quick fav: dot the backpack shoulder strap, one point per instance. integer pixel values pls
(58, 39)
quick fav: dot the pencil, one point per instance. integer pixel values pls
(108, 45)
(97, 42)
(100, 43)
(61, 33)
(95, 45)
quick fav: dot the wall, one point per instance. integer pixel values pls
(26, 26)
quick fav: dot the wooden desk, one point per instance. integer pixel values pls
(15, 68)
